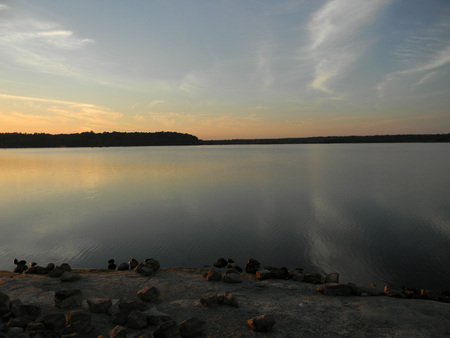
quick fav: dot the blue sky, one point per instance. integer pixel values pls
(226, 69)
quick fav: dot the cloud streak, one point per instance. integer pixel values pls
(334, 31)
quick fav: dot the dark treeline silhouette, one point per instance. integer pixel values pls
(423, 138)
(122, 139)
(91, 139)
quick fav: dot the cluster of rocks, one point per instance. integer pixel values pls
(147, 268)
(330, 285)
(26, 320)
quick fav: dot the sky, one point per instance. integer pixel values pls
(226, 69)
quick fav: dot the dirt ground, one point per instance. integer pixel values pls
(299, 310)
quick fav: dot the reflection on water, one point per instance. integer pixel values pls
(373, 213)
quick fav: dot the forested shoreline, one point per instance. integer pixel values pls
(91, 139)
(133, 139)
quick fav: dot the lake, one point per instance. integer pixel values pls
(375, 213)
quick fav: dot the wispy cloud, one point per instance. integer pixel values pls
(39, 45)
(440, 59)
(335, 42)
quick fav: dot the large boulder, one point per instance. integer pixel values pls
(332, 278)
(167, 329)
(54, 321)
(69, 276)
(123, 267)
(313, 278)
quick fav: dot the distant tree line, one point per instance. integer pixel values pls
(422, 138)
(91, 139)
(123, 139)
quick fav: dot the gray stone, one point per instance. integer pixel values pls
(68, 298)
(297, 275)
(262, 323)
(149, 294)
(221, 262)
(209, 301)
(35, 327)
(68, 276)
(118, 331)
(263, 274)
(19, 321)
(123, 267)
(232, 277)
(137, 320)
(99, 305)
(120, 317)
(228, 299)
(56, 272)
(78, 316)
(213, 275)
(191, 327)
(155, 317)
(153, 263)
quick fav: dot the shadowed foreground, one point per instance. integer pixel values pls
(298, 309)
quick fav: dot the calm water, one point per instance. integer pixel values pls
(372, 212)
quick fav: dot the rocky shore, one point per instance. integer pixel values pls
(221, 301)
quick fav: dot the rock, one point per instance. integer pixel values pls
(99, 305)
(262, 323)
(68, 276)
(227, 299)
(111, 265)
(252, 266)
(209, 301)
(120, 317)
(123, 267)
(191, 327)
(282, 273)
(313, 278)
(118, 331)
(5, 303)
(80, 322)
(133, 263)
(50, 267)
(263, 274)
(393, 291)
(66, 267)
(54, 321)
(232, 276)
(371, 290)
(167, 329)
(57, 271)
(78, 316)
(335, 289)
(155, 317)
(150, 294)
(137, 320)
(332, 278)
(145, 269)
(153, 263)
(236, 267)
(221, 262)
(213, 275)
(297, 275)
(68, 298)
(15, 331)
(21, 266)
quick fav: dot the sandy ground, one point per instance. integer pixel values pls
(299, 311)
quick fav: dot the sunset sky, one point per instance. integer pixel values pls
(226, 69)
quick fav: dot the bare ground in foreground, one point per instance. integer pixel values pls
(299, 311)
